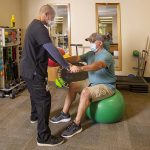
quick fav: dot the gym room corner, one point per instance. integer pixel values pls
(119, 29)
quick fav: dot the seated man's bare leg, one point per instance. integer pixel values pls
(71, 95)
(75, 126)
(64, 115)
(83, 104)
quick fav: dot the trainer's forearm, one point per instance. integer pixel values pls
(53, 51)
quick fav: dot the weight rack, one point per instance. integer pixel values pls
(10, 54)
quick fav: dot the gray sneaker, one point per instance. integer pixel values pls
(61, 117)
(71, 130)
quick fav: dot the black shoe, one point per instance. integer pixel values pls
(61, 117)
(33, 120)
(53, 141)
(72, 130)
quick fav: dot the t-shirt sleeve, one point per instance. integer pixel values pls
(84, 57)
(41, 35)
(108, 60)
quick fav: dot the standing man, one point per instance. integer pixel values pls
(101, 83)
(37, 48)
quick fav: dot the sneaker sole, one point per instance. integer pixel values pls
(72, 134)
(51, 145)
(33, 122)
(63, 120)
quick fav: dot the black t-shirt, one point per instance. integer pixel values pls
(35, 57)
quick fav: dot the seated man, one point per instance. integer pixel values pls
(100, 84)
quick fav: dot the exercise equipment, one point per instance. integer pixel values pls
(131, 76)
(51, 63)
(59, 82)
(66, 55)
(142, 59)
(12, 91)
(134, 84)
(10, 46)
(108, 110)
(136, 53)
(14, 53)
(1, 68)
(66, 76)
(69, 77)
(1, 61)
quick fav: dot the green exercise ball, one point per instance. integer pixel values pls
(108, 110)
(136, 53)
(59, 82)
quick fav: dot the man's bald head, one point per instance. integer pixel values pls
(46, 14)
(46, 9)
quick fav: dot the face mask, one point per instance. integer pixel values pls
(93, 47)
(50, 23)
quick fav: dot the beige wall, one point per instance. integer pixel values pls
(8, 8)
(135, 24)
(65, 25)
(114, 30)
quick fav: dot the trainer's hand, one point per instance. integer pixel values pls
(74, 69)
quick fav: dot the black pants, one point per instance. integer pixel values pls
(40, 105)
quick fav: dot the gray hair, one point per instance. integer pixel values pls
(46, 9)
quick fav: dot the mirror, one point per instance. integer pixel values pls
(108, 24)
(60, 30)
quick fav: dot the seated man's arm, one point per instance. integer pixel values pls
(81, 58)
(73, 59)
(94, 66)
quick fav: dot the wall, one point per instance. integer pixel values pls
(8, 8)
(135, 25)
(114, 30)
(65, 25)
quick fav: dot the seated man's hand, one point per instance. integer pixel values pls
(74, 69)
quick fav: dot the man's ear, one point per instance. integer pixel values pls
(100, 43)
(46, 14)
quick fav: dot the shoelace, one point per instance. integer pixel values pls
(58, 115)
(72, 124)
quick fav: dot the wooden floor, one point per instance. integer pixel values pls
(132, 133)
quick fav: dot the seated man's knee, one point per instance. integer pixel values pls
(85, 97)
(85, 93)
(73, 87)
